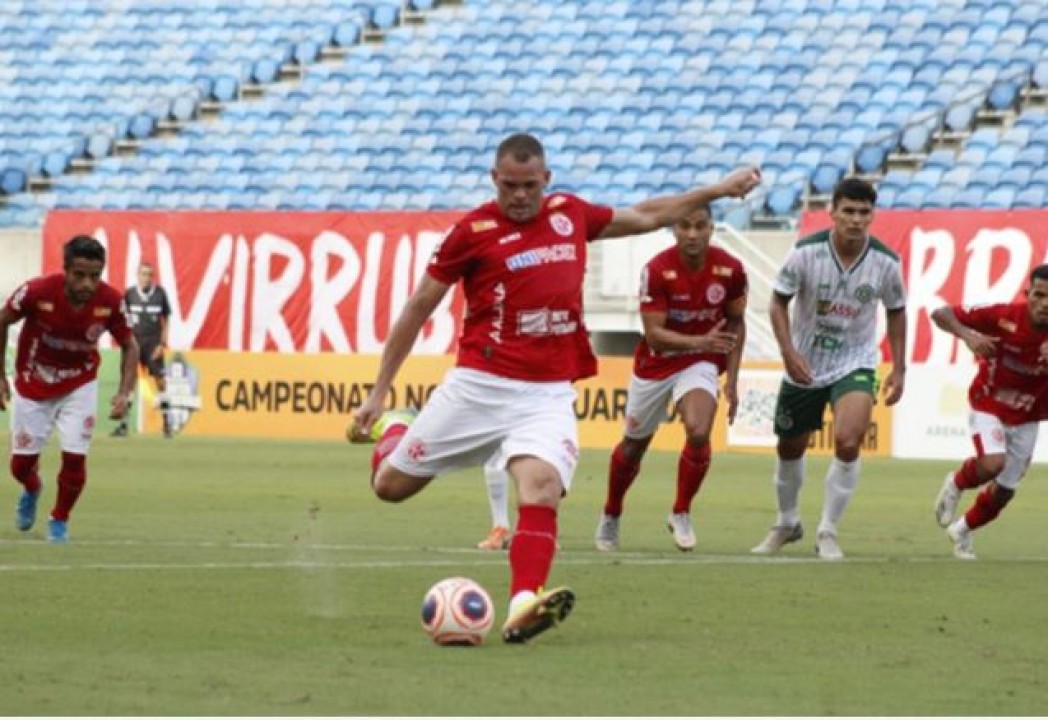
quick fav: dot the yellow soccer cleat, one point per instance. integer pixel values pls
(538, 614)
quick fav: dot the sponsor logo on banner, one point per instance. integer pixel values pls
(274, 281)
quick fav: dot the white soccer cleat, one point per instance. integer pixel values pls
(683, 535)
(778, 536)
(963, 542)
(607, 537)
(827, 547)
(946, 503)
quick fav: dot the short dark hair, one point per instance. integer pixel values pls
(83, 246)
(522, 147)
(854, 188)
(1039, 273)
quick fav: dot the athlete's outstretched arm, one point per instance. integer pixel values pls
(402, 337)
(896, 380)
(795, 364)
(650, 215)
(945, 319)
(735, 314)
(6, 318)
(128, 372)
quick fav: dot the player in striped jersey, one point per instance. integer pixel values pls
(835, 279)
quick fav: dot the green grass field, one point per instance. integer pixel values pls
(262, 578)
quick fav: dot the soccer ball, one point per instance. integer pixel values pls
(457, 611)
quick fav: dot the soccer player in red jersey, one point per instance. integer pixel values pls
(693, 306)
(56, 366)
(1008, 398)
(521, 260)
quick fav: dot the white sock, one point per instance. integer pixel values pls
(960, 525)
(498, 482)
(789, 476)
(522, 597)
(841, 479)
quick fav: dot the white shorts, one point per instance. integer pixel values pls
(33, 421)
(474, 416)
(649, 401)
(1015, 442)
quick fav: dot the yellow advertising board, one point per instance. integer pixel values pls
(303, 396)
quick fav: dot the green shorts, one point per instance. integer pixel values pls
(799, 409)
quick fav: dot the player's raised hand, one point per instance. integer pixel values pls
(118, 406)
(738, 183)
(797, 368)
(980, 345)
(717, 340)
(5, 392)
(359, 429)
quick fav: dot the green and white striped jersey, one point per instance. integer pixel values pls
(833, 322)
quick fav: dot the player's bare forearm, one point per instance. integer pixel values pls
(737, 326)
(128, 366)
(946, 321)
(779, 314)
(897, 339)
(405, 331)
(5, 391)
(650, 215)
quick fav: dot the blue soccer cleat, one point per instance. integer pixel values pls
(57, 531)
(25, 512)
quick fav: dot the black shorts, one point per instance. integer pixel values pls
(154, 366)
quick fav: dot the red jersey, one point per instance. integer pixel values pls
(58, 345)
(694, 302)
(523, 288)
(1012, 384)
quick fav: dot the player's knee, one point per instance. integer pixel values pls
(1002, 495)
(23, 467)
(847, 447)
(632, 449)
(791, 448)
(697, 435)
(541, 489)
(990, 466)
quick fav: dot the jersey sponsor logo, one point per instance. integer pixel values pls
(506, 239)
(669, 274)
(57, 343)
(478, 226)
(543, 322)
(564, 252)
(103, 312)
(45, 306)
(1007, 325)
(715, 294)
(864, 293)
(561, 224)
(832, 309)
(682, 297)
(722, 271)
(684, 316)
(556, 201)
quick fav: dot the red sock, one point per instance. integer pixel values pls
(621, 473)
(984, 510)
(386, 445)
(71, 480)
(968, 476)
(532, 549)
(691, 471)
(24, 470)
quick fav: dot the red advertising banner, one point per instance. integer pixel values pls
(955, 257)
(274, 281)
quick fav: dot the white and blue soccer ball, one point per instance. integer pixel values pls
(457, 611)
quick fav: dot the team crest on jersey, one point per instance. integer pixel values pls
(561, 224)
(715, 294)
(722, 270)
(483, 225)
(94, 332)
(45, 306)
(556, 201)
(103, 312)
(864, 293)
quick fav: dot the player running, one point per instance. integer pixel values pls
(55, 374)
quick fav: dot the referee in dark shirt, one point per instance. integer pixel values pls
(149, 312)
